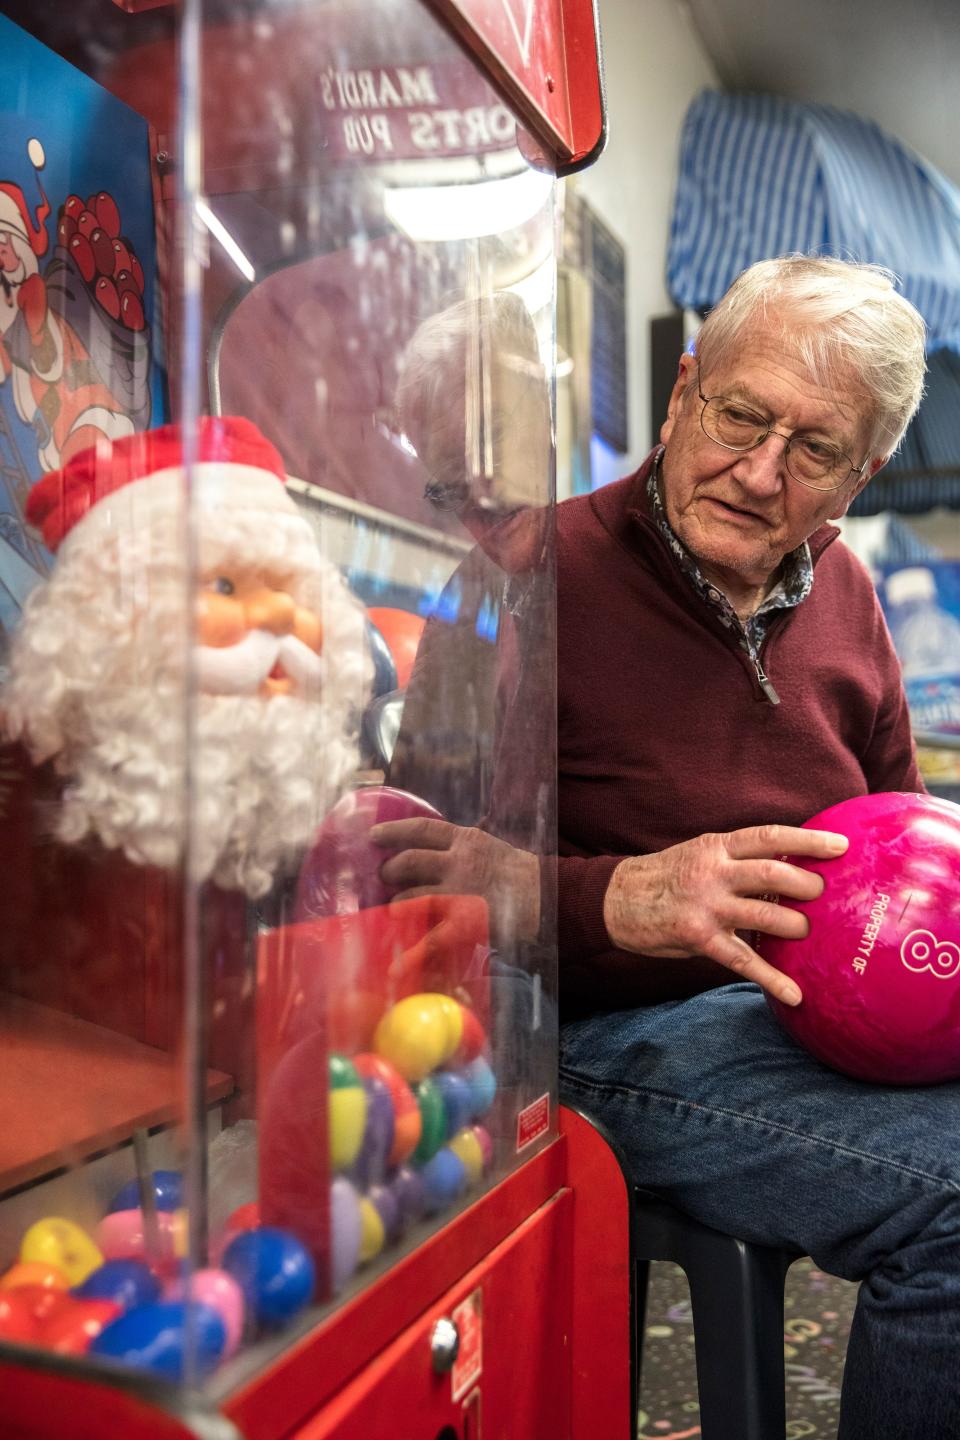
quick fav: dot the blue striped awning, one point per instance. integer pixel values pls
(925, 472)
(761, 176)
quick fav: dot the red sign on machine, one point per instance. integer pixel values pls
(468, 1318)
(544, 56)
(533, 1122)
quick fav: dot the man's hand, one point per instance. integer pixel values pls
(436, 856)
(691, 899)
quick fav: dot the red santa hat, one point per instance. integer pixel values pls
(15, 214)
(232, 465)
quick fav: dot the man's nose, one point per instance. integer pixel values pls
(271, 610)
(763, 470)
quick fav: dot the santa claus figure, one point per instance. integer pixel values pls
(193, 668)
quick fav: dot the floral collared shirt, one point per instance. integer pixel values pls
(793, 586)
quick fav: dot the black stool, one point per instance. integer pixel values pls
(736, 1295)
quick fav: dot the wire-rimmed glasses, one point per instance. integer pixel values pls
(809, 460)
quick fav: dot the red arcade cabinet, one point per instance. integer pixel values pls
(280, 1153)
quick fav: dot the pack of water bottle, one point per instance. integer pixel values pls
(922, 605)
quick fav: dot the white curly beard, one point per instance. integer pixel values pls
(98, 684)
(264, 773)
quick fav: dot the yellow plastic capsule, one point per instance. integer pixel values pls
(372, 1233)
(453, 1015)
(419, 1033)
(180, 1233)
(59, 1242)
(467, 1146)
(348, 1117)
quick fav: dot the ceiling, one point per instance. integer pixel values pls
(894, 61)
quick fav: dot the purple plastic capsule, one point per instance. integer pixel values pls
(345, 1231)
(388, 1208)
(406, 1186)
(370, 1165)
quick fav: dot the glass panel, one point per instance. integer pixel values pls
(289, 575)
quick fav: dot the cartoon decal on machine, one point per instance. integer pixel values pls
(79, 361)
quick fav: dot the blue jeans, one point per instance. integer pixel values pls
(718, 1110)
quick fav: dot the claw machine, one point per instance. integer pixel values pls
(279, 1151)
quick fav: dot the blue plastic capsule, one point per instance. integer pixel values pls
(274, 1271)
(167, 1187)
(157, 1337)
(483, 1084)
(444, 1179)
(127, 1283)
(459, 1099)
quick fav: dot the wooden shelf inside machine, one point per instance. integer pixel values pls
(69, 1089)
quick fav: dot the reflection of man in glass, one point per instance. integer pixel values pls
(474, 401)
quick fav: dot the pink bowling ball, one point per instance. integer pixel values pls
(341, 872)
(880, 967)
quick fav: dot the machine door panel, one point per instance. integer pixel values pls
(511, 1376)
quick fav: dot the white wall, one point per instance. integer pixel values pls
(654, 65)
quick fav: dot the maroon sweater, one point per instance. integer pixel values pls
(664, 732)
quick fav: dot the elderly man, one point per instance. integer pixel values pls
(724, 673)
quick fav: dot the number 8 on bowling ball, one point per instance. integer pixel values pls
(880, 967)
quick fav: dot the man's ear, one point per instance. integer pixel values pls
(684, 376)
(848, 497)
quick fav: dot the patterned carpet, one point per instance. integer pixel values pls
(818, 1311)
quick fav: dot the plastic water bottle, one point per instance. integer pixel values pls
(927, 640)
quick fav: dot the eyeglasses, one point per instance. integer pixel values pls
(812, 462)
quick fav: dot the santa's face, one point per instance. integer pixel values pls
(254, 638)
(275, 687)
(13, 272)
(10, 261)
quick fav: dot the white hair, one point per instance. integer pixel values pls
(101, 684)
(835, 315)
(445, 401)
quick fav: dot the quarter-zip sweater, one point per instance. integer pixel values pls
(665, 731)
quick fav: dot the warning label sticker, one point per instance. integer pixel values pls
(468, 1318)
(533, 1122)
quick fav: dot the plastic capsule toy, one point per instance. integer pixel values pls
(371, 1162)
(72, 1329)
(35, 1274)
(373, 1235)
(419, 1033)
(127, 1283)
(60, 1242)
(220, 1291)
(433, 1120)
(407, 1188)
(444, 1180)
(346, 1231)
(483, 1086)
(274, 1272)
(458, 1099)
(17, 1320)
(125, 1235)
(485, 1141)
(466, 1145)
(406, 1111)
(156, 1337)
(348, 1112)
(388, 1208)
(473, 1038)
(167, 1191)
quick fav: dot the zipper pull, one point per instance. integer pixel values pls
(766, 684)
